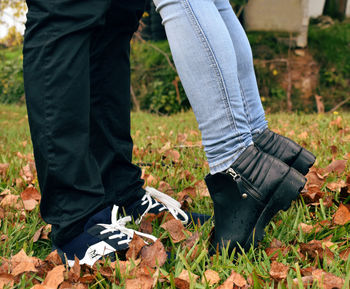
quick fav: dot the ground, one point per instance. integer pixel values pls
(308, 244)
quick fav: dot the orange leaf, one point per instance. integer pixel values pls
(135, 247)
(55, 277)
(278, 270)
(176, 230)
(154, 255)
(211, 276)
(342, 215)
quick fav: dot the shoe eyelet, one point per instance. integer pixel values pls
(244, 196)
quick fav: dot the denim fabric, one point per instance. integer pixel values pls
(214, 61)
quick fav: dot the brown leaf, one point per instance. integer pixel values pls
(141, 282)
(233, 279)
(37, 234)
(172, 155)
(55, 277)
(327, 280)
(342, 215)
(6, 280)
(181, 284)
(336, 186)
(30, 193)
(135, 247)
(278, 271)
(22, 263)
(345, 254)
(316, 249)
(3, 169)
(306, 228)
(201, 189)
(54, 258)
(187, 276)
(314, 178)
(29, 205)
(337, 166)
(165, 188)
(28, 172)
(146, 226)
(10, 201)
(176, 230)
(150, 180)
(211, 277)
(274, 252)
(187, 176)
(191, 240)
(74, 272)
(154, 255)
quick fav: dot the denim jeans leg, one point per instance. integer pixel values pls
(245, 68)
(206, 62)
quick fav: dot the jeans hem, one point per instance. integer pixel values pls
(225, 164)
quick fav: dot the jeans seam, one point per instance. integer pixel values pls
(245, 104)
(218, 73)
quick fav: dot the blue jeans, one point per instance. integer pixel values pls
(215, 64)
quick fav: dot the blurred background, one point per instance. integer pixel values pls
(301, 54)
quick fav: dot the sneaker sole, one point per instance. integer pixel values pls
(287, 192)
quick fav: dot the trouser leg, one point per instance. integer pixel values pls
(245, 68)
(110, 140)
(206, 62)
(57, 84)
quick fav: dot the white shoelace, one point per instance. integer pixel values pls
(168, 203)
(119, 225)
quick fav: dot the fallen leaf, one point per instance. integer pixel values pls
(342, 215)
(172, 155)
(54, 277)
(201, 189)
(278, 271)
(336, 186)
(54, 258)
(191, 240)
(181, 284)
(74, 272)
(154, 255)
(187, 276)
(176, 230)
(22, 263)
(233, 279)
(6, 280)
(29, 205)
(306, 228)
(10, 201)
(3, 169)
(165, 188)
(30, 193)
(146, 226)
(150, 180)
(327, 280)
(141, 282)
(316, 249)
(345, 254)
(135, 247)
(211, 277)
(337, 166)
(37, 234)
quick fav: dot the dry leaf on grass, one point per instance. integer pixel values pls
(316, 249)
(141, 282)
(176, 230)
(55, 277)
(336, 186)
(3, 169)
(6, 280)
(30, 193)
(211, 277)
(337, 166)
(342, 215)
(234, 279)
(146, 226)
(154, 255)
(278, 271)
(29, 205)
(54, 258)
(21, 263)
(188, 276)
(201, 189)
(10, 201)
(135, 247)
(327, 280)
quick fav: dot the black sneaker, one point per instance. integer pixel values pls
(104, 235)
(156, 202)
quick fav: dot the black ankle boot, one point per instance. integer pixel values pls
(285, 149)
(248, 195)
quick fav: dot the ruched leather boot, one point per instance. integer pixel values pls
(248, 194)
(286, 150)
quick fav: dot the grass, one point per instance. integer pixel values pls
(319, 133)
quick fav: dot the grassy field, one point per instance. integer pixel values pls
(308, 244)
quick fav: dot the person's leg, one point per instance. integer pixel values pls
(110, 139)
(57, 86)
(206, 62)
(245, 68)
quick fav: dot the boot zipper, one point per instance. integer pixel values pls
(239, 179)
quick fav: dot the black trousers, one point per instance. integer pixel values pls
(77, 85)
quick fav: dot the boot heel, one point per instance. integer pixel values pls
(304, 161)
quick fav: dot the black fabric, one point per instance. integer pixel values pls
(77, 85)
